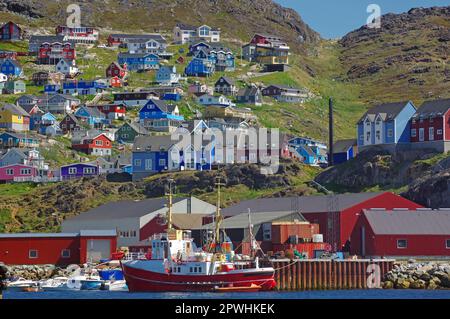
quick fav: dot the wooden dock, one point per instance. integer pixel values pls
(322, 274)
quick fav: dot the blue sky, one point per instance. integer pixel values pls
(335, 18)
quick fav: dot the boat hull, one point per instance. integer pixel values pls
(143, 280)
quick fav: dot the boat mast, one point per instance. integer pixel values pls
(169, 205)
(218, 217)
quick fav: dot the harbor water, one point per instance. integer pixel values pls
(313, 294)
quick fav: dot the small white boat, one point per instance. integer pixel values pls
(118, 285)
(57, 283)
(20, 283)
(82, 281)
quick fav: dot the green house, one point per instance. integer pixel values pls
(128, 131)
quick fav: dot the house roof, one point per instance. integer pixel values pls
(188, 221)
(73, 118)
(285, 87)
(184, 26)
(83, 233)
(241, 220)
(190, 125)
(154, 36)
(303, 204)
(388, 111)
(227, 79)
(343, 145)
(14, 62)
(405, 222)
(248, 91)
(125, 209)
(163, 106)
(434, 107)
(46, 38)
(138, 127)
(94, 111)
(153, 143)
(135, 55)
(15, 109)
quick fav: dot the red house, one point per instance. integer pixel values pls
(10, 31)
(402, 233)
(335, 214)
(431, 123)
(52, 53)
(116, 82)
(99, 145)
(113, 111)
(115, 70)
(57, 248)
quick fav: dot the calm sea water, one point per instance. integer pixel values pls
(329, 294)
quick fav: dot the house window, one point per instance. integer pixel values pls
(72, 170)
(148, 164)
(33, 253)
(65, 253)
(9, 171)
(89, 170)
(447, 243)
(439, 132)
(137, 162)
(431, 134)
(25, 171)
(390, 132)
(162, 162)
(368, 136)
(402, 243)
(413, 133)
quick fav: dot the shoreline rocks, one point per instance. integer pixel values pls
(427, 275)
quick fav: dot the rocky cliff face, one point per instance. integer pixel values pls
(425, 176)
(237, 18)
(409, 53)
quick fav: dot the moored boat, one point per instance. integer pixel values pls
(176, 264)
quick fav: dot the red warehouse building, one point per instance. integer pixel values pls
(336, 215)
(402, 233)
(57, 248)
(430, 125)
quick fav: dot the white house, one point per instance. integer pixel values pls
(66, 67)
(183, 33)
(207, 99)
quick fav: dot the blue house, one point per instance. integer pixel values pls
(194, 48)
(386, 124)
(78, 170)
(155, 154)
(311, 151)
(8, 140)
(200, 65)
(139, 61)
(83, 87)
(91, 116)
(172, 97)
(52, 88)
(344, 150)
(40, 121)
(167, 75)
(11, 67)
(157, 115)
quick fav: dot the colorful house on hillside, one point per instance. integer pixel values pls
(51, 52)
(19, 140)
(10, 31)
(386, 124)
(344, 150)
(114, 69)
(225, 85)
(70, 123)
(78, 170)
(99, 145)
(167, 75)
(200, 65)
(267, 49)
(128, 132)
(67, 67)
(308, 150)
(14, 87)
(17, 173)
(157, 115)
(79, 34)
(139, 61)
(250, 95)
(83, 87)
(13, 117)
(23, 156)
(91, 116)
(184, 33)
(11, 68)
(430, 125)
(112, 111)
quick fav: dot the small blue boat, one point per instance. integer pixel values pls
(111, 274)
(90, 284)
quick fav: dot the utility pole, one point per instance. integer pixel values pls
(330, 131)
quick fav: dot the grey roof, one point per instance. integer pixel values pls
(184, 26)
(125, 209)
(134, 55)
(46, 38)
(15, 109)
(97, 233)
(405, 222)
(303, 204)
(138, 127)
(153, 143)
(227, 79)
(248, 91)
(127, 36)
(190, 125)
(388, 110)
(241, 220)
(343, 145)
(163, 106)
(436, 106)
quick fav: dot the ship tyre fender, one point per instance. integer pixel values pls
(166, 266)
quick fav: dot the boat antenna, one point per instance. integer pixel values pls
(169, 206)
(218, 217)
(250, 232)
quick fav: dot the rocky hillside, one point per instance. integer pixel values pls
(421, 176)
(26, 207)
(237, 18)
(407, 58)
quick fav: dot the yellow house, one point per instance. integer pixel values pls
(271, 55)
(14, 118)
(212, 111)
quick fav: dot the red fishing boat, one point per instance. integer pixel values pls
(176, 264)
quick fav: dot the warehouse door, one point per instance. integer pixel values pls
(98, 249)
